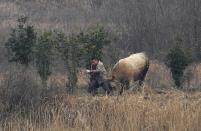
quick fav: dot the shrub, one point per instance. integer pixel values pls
(159, 76)
(71, 50)
(20, 90)
(191, 79)
(177, 60)
(20, 42)
(43, 53)
(94, 41)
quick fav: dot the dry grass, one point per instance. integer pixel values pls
(54, 110)
(159, 76)
(192, 77)
(174, 111)
(60, 80)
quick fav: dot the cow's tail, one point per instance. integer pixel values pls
(144, 72)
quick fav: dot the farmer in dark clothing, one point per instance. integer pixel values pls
(98, 77)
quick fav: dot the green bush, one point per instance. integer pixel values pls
(94, 41)
(71, 50)
(43, 52)
(76, 50)
(177, 60)
(20, 42)
(20, 90)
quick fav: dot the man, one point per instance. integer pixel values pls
(98, 77)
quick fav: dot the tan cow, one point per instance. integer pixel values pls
(129, 70)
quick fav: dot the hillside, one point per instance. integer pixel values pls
(135, 25)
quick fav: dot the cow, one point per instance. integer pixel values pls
(129, 70)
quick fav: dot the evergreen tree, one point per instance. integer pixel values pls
(177, 60)
(94, 41)
(43, 55)
(20, 42)
(71, 50)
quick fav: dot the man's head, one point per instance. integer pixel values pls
(94, 61)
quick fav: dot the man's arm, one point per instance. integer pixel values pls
(100, 68)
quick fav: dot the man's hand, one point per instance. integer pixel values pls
(88, 71)
(91, 71)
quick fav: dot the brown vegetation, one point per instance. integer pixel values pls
(26, 106)
(136, 25)
(175, 111)
(192, 77)
(159, 76)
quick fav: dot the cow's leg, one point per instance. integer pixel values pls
(124, 86)
(132, 85)
(122, 89)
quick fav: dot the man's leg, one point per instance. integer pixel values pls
(93, 86)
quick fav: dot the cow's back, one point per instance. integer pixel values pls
(130, 67)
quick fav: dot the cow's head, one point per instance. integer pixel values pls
(114, 83)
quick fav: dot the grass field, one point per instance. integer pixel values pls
(26, 106)
(171, 111)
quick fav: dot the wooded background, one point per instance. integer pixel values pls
(133, 25)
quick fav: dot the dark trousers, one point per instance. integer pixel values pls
(95, 84)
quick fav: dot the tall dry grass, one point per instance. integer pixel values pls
(192, 77)
(175, 111)
(26, 106)
(159, 76)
